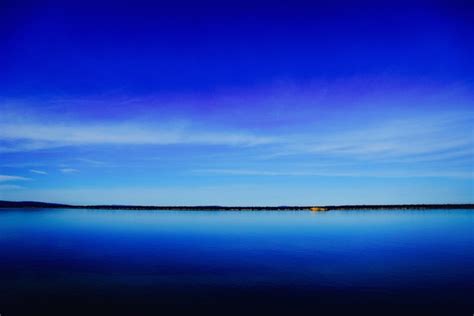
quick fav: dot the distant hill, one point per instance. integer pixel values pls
(33, 204)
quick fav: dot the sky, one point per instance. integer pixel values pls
(236, 102)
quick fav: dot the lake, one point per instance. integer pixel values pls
(99, 262)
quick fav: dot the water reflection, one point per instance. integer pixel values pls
(389, 256)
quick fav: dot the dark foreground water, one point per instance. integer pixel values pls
(96, 262)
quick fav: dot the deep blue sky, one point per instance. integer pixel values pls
(258, 102)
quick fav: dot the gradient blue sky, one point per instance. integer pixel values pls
(237, 103)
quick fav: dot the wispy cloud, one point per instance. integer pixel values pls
(91, 161)
(365, 134)
(415, 138)
(10, 187)
(38, 171)
(309, 173)
(30, 136)
(68, 170)
(7, 178)
(430, 138)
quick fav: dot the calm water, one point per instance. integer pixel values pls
(136, 262)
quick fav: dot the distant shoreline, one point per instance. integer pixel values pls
(316, 208)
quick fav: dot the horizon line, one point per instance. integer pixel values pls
(315, 207)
